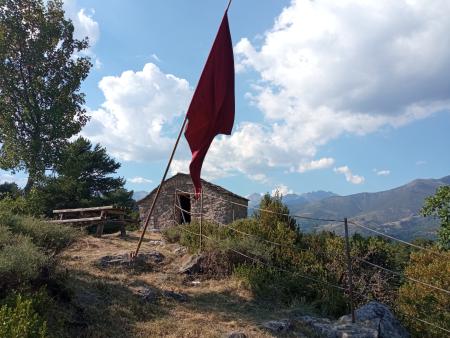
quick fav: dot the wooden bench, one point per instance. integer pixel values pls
(95, 215)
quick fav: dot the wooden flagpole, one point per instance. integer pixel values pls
(150, 212)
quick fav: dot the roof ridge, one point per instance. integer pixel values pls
(218, 187)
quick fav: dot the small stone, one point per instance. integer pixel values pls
(155, 242)
(178, 296)
(148, 295)
(278, 326)
(192, 265)
(237, 335)
(124, 260)
(180, 251)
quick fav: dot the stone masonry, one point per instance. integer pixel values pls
(216, 203)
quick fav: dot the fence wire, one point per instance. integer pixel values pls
(398, 240)
(258, 261)
(266, 210)
(402, 275)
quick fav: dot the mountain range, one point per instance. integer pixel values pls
(395, 212)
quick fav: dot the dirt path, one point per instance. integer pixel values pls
(156, 301)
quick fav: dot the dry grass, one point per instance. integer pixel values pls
(106, 303)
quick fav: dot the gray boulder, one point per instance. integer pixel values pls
(124, 260)
(373, 320)
(378, 316)
(192, 265)
(329, 329)
(278, 326)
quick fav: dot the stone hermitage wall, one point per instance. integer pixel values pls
(216, 203)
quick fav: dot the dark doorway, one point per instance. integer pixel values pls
(185, 204)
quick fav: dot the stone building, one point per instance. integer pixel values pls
(178, 189)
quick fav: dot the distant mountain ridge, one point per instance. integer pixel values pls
(292, 200)
(395, 211)
(137, 195)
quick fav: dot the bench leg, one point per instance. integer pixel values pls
(100, 227)
(123, 232)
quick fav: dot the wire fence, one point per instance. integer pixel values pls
(348, 289)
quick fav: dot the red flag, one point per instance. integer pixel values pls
(211, 111)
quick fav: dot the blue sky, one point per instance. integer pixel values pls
(344, 96)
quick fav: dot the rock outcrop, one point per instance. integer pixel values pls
(373, 320)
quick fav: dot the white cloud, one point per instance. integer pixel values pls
(421, 162)
(355, 179)
(282, 189)
(135, 120)
(384, 172)
(139, 180)
(330, 68)
(155, 57)
(85, 26)
(325, 69)
(316, 164)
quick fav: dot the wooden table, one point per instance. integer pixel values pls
(95, 215)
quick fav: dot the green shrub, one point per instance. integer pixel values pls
(20, 320)
(20, 262)
(419, 301)
(17, 206)
(49, 236)
(5, 236)
(172, 234)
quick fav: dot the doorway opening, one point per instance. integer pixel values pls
(185, 204)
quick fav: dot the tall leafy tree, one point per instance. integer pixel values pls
(41, 69)
(438, 206)
(84, 179)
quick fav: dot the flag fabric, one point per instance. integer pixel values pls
(211, 111)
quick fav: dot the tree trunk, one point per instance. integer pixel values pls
(30, 183)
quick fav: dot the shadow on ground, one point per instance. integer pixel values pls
(104, 307)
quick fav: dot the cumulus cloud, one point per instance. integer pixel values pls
(282, 189)
(330, 68)
(134, 121)
(316, 164)
(85, 26)
(139, 180)
(355, 179)
(384, 172)
(325, 69)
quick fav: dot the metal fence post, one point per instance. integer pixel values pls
(350, 272)
(201, 219)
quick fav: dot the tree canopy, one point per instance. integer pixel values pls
(41, 69)
(438, 205)
(83, 178)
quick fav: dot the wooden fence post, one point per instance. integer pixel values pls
(350, 271)
(201, 220)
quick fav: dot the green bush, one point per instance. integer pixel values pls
(20, 320)
(5, 236)
(20, 262)
(419, 301)
(172, 234)
(17, 206)
(48, 236)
